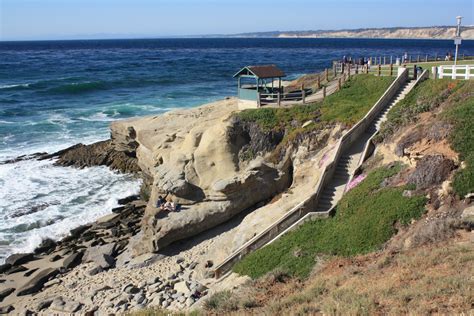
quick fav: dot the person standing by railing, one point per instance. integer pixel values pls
(405, 57)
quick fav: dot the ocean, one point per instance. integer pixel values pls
(54, 94)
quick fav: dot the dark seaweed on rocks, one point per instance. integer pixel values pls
(98, 154)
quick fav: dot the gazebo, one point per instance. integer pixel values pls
(253, 80)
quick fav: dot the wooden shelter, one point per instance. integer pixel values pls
(253, 80)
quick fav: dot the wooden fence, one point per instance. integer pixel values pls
(278, 98)
(378, 70)
(298, 95)
(402, 59)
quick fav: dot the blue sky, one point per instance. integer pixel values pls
(64, 19)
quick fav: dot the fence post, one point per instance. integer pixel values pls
(343, 68)
(435, 72)
(327, 74)
(415, 74)
(384, 60)
(379, 69)
(334, 70)
(349, 72)
(441, 72)
(391, 70)
(367, 68)
(319, 81)
(339, 84)
(324, 92)
(453, 72)
(303, 93)
(468, 72)
(279, 99)
(357, 69)
(259, 102)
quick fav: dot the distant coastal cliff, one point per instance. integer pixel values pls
(432, 32)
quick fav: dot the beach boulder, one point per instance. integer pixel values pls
(19, 258)
(35, 284)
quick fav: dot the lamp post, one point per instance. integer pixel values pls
(457, 39)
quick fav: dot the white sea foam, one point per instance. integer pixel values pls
(69, 197)
(98, 117)
(9, 86)
(60, 119)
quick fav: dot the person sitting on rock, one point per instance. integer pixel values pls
(170, 206)
(160, 202)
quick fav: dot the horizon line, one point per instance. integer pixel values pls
(229, 35)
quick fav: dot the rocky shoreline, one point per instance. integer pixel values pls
(99, 247)
(140, 256)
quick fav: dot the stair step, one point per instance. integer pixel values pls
(324, 207)
(325, 203)
(325, 199)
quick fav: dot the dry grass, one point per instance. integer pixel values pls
(435, 278)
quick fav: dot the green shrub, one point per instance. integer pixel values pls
(364, 221)
(221, 301)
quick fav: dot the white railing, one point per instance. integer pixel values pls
(456, 72)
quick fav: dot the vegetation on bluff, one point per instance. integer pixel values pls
(462, 137)
(426, 96)
(457, 102)
(362, 224)
(346, 106)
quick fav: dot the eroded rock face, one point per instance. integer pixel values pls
(258, 183)
(194, 158)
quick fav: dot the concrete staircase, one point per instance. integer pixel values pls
(349, 160)
(375, 126)
(351, 151)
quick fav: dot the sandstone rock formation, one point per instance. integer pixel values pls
(193, 157)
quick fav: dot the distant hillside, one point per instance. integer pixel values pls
(433, 32)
